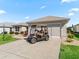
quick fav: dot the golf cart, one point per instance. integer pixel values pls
(38, 35)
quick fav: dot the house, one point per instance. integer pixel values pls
(71, 29)
(56, 25)
(5, 27)
(76, 28)
(20, 27)
(12, 27)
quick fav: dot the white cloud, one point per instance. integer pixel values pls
(67, 1)
(42, 7)
(73, 11)
(71, 14)
(2, 12)
(27, 17)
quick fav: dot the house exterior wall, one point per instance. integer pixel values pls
(63, 32)
(13, 29)
(23, 29)
(6, 29)
(55, 30)
(77, 28)
(1, 30)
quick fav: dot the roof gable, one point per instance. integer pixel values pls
(49, 18)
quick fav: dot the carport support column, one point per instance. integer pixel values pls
(29, 28)
(10, 29)
(60, 31)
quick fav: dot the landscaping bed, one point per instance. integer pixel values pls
(6, 38)
(72, 37)
(76, 36)
(69, 52)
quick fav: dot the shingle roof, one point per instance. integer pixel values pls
(21, 24)
(6, 24)
(49, 18)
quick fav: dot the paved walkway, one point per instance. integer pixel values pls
(23, 50)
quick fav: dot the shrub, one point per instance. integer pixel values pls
(69, 40)
(16, 33)
(5, 32)
(11, 32)
(70, 36)
(5, 38)
(8, 37)
(21, 32)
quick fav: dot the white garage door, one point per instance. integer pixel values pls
(54, 29)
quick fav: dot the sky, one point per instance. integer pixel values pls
(27, 10)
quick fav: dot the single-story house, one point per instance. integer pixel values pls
(56, 25)
(20, 27)
(5, 27)
(12, 27)
(76, 28)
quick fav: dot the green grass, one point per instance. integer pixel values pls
(73, 36)
(6, 39)
(76, 36)
(69, 52)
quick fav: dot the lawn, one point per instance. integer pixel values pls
(73, 36)
(6, 38)
(69, 52)
(76, 36)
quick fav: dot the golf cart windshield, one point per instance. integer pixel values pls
(35, 29)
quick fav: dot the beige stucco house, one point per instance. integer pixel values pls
(76, 28)
(20, 27)
(56, 25)
(12, 27)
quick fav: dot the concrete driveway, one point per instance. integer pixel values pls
(21, 49)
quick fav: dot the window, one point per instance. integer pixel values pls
(16, 28)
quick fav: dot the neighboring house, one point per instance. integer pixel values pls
(5, 27)
(11, 27)
(20, 27)
(76, 28)
(56, 25)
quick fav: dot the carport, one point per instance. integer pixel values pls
(56, 25)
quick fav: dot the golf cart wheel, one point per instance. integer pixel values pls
(47, 38)
(33, 40)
